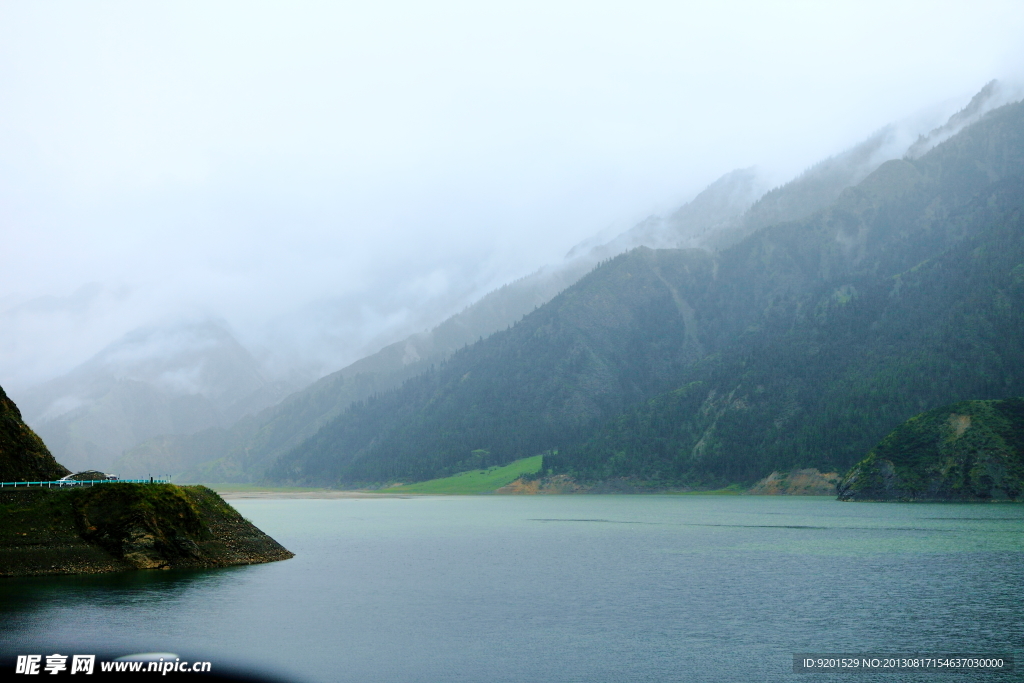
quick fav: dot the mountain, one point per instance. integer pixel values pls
(905, 295)
(994, 94)
(726, 211)
(152, 381)
(596, 348)
(719, 207)
(23, 455)
(972, 450)
(242, 451)
(822, 184)
(799, 346)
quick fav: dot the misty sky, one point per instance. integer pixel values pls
(322, 175)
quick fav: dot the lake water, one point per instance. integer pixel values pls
(563, 588)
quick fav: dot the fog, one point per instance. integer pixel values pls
(328, 177)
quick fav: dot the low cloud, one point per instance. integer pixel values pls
(329, 178)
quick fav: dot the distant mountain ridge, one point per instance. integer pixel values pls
(593, 350)
(905, 295)
(728, 210)
(792, 348)
(821, 184)
(152, 381)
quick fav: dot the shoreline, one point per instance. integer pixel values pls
(270, 495)
(326, 495)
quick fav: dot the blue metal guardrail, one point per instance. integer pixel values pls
(72, 482)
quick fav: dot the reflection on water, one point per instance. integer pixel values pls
(561, 588)
(28, 594)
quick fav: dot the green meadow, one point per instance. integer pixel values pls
(474, 481)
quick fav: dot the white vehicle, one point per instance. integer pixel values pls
(88, 475)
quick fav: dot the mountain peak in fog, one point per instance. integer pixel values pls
(172, 379)
(994, 94)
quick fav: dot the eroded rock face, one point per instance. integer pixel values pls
(148, 526)
(119, 527)
(557, 484)
(23, 455)
(805, 482)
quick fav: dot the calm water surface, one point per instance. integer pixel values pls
(563, 588)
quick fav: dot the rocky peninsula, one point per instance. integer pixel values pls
(967, 451)
(112, 526)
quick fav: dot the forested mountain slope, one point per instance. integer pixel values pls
(243, 450)
(800, 346)
(969, 451)
(601, 345)
(906, 295)
(23, 455)
(246, 448)
(719, 216)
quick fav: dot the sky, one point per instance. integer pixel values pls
(325, 177)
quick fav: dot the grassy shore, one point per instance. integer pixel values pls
(474, 481)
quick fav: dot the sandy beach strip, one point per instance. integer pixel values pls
(269, 495)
